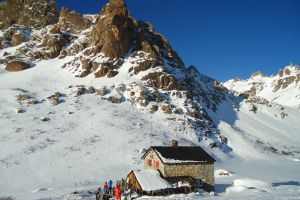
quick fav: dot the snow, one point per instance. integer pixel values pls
(88, 140)
(173, 161)
(265, 86)
(241, 185)
(150, 180)
(236, 189)
(251, 183)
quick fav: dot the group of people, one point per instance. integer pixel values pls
(109, 191)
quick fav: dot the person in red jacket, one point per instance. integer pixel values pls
(105, 188)
(118, 192)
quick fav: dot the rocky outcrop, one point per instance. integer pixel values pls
(114, 32)
(29, 13)
(162, 80)
(70, 21)
(54, 99)
(18, 38)
(283, 83)
(17, 65)
(53, 43)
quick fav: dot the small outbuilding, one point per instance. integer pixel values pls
(148, 182)
(182, 165)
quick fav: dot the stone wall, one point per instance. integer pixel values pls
(203, 171)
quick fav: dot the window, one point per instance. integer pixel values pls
(149, 163)
(157, 164)
(151, 156)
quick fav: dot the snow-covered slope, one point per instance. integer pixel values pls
(88, 140)
(283, 88)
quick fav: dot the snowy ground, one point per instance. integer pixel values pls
(89, 140)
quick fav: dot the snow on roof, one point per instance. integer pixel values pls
(150, 180)
(174, 161)
(182, 154)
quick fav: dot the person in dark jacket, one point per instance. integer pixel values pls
(98, 193)
(123, 185)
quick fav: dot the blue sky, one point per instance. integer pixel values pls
(223, 38)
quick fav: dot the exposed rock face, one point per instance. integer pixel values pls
(53, 44)
(70, 21)
(17, 65)
(117, 34)
(114, 32)
(30, 13)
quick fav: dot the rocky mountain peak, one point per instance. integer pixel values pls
(114, 32)
(115, 7)
(257, 74)
(273, 88)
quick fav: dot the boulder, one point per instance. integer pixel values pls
(45, 119)
(54, 101)
(33, 102)
(154, 108)
(121, 88)
(18, 38)
(91, 90)
(283, 115)
(81, 90)
(22, 97)
(252, 108)
(115, 100)
(166, 108)
(102, 91)
(17, 65)
(20, 110)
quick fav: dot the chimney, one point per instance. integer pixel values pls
(175, 144)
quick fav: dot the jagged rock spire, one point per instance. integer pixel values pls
(116, 6)
(114, 31)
